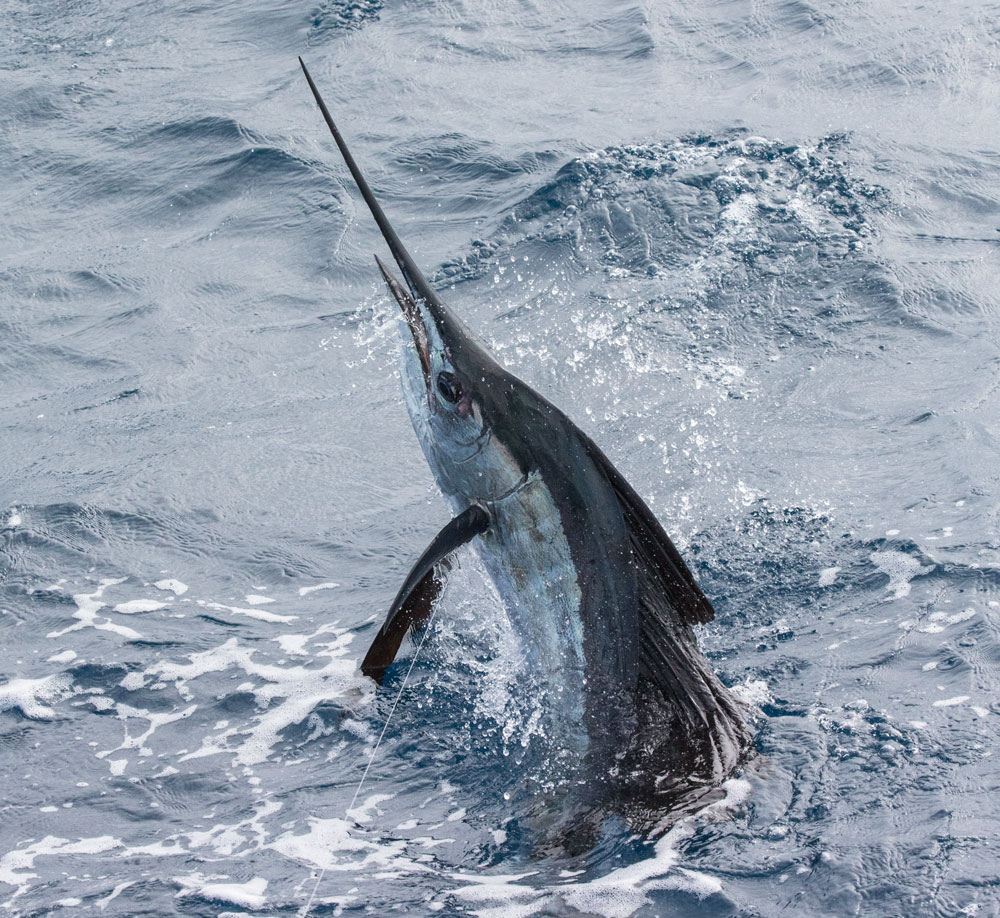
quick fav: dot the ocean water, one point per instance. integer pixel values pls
(752, 248)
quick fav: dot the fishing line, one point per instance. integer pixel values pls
(371, 758)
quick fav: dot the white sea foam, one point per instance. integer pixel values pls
(29, 695)
(16, 865)
(618, 894)
(753, 692)
(66, 656)
(87, 607)
(900, 568)
(938, 621)
(255, 599)
(363, 812)
(299, 689)
(103, 903)
(247, 895)
(222, 840)
(502, 894)
(225, 840)
(738, 214)
(828, 575)
(305, 591)
(259, 614)
(138, 741)
(333, 846)
(134, 606)
(174, 586)
(133, 682)
(295, 644)
(14, 520)
(951, 702)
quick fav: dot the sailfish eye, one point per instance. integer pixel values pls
(449, 386)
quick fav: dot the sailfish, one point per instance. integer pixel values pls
(601, 601)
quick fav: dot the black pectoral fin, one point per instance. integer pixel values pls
(415, 610)
(421, 588)
(665, 569)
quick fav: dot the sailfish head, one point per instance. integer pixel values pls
(456, 392)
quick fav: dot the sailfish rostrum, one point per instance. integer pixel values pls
(602, 603)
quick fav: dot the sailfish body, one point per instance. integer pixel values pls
(601, 601)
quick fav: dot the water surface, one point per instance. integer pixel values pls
(752, 249)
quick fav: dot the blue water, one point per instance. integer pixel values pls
(751, 248)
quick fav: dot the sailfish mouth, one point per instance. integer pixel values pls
(411, 312)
